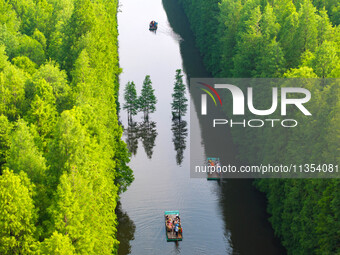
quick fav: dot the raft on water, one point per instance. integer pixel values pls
(153, 26)
(216, 174)
(170, 217)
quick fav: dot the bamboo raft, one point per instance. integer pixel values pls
(213, 175)
(170, 233)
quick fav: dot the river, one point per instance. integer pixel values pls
(226, 217)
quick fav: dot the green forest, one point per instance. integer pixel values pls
(283, 39)
(62, 161)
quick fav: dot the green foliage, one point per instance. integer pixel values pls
(3, 58)
(57, 244)
(124, 173)
(248, 45)
(179, 101)
(290, 39)
(17, 214)
(5, 141)
(25, 64)
(24, 155)
(59, 126)
(9, 25)
(12, 91)
(326, 60)
(43, 112)
(130, 97)
(70, 145)
(84, 214)
(40, 37)
(57, 78)
(306, 34)
(32, 49)
(147, 100)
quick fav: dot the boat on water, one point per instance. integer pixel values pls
(153, 25)
(216, 174)
(173, 226)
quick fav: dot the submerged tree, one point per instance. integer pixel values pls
(130, 96)
(147, 100)
(179, 103)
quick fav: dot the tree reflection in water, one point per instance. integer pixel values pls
(146, 131)
(180, 133)
(125, 230)
(148, 134)
(132, 137)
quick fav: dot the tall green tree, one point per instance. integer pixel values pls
(131, 101)
(25, 64)
(12, 92)
(270, 61)
(70, 146)
(179, 103)
(57, 78)
(147, 100)
(248, 45)
(57, 244)
(326, 60)
(17, 214)
(32, 49)
(24, 155)
(306, 34)
(5, 140)
(43, 112)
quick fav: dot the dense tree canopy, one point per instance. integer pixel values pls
(17, 214)
(263, 39)
(59, 131)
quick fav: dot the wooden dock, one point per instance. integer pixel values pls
(171, 234)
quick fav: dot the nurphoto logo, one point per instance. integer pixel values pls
(239, 101)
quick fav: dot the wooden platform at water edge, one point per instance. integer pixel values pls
(171, 235)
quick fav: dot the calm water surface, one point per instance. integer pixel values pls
(218, 217)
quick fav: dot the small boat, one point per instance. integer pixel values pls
(213, 175)
(153, 26)
(169, 218)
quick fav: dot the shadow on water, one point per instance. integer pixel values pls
(126, 234)
(191, 57)
(246, 219)
(243, 207)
